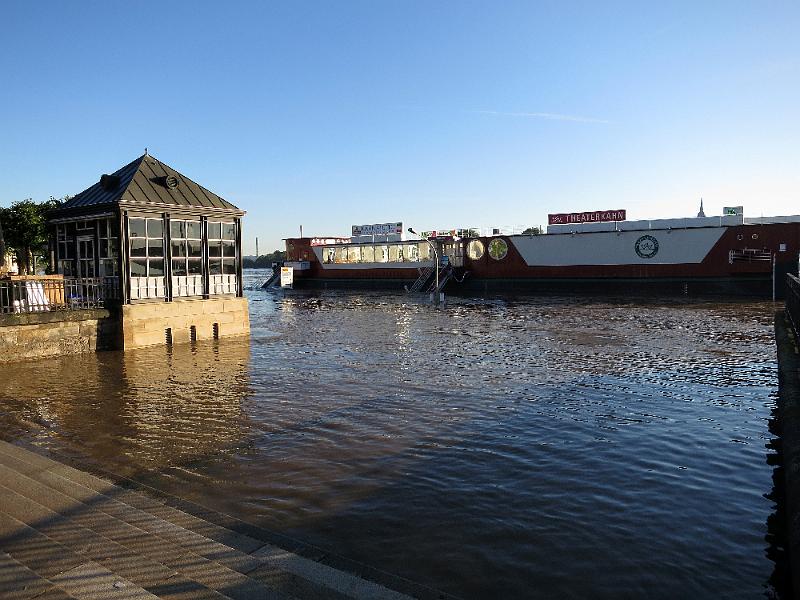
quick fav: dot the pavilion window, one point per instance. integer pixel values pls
(186, 253)
(222, 257)
(108, 249)
(146, 257)
(65, 238)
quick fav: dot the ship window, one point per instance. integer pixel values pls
(395, 253)
(475, 249)
(498, 249)
(368, 254)
(340, 256)
(412, 253)
(382, 254)
(424, 251)
(328, 254)
(354, 254)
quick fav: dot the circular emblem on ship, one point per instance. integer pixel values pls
(498, 249)
(646, 246)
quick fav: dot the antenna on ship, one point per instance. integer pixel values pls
(701, 214)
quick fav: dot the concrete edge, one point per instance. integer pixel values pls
(789, 416)
(393, 583)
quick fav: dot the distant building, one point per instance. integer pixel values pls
(156, 236)
(701, 213)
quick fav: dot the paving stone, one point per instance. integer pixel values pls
(226, 581)
(180, 587)
(19, 465)
(87, 534)
(294, 585)
(54, 593)
(94, 582)
(44, 556)
(17, 582)
(325, 576)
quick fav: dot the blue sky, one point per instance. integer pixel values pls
(439, 114)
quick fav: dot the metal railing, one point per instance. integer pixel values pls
(793, 301)
(749, 255)
(33, 294)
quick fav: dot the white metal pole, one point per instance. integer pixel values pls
(436, 255)
(773, 277)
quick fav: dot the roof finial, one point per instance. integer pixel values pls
(145, 150)
(701, 214)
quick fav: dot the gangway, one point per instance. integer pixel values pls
(273, 279)
(424, 276)
(445, 275)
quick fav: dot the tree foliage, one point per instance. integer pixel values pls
(24, 228)
(532, 231)
(264, 261)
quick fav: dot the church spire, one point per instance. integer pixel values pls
(701, 214)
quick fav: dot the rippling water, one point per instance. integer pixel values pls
(527, 447)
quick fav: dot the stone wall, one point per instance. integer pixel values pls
(149, 324)
(39, 335)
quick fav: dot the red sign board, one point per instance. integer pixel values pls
(594, 216)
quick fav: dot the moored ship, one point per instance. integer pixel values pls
(726, 255)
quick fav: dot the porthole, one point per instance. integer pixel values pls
(475, 249)
(755, 236)
(498, 249)
(740, 237)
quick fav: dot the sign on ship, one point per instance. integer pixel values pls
(594, 216)
(378, 229)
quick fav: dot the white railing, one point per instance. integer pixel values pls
(187, 285)
(223, 284)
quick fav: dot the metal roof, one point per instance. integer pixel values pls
(149, 182)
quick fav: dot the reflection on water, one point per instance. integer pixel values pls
(144, 409)
(549, 448)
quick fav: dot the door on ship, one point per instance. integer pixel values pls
(454, 252)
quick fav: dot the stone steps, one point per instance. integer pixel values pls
(66, 533)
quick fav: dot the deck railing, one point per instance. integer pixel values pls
(793, 301)
(48, 294)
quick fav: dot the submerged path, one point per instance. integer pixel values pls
(67, 534)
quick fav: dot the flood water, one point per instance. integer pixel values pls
(492, 448)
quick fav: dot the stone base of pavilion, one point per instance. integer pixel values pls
(150, 324)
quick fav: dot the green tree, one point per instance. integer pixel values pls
(532, 231)
(265, 260)
(25, 230)
(2, 248)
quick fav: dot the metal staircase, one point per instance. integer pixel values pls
(274, 279)
(424, 275)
